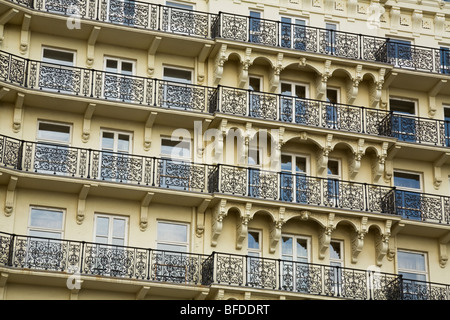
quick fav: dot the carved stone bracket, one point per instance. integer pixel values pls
(443, 254)
(389, 165)
(376, 89)
(148, 130)
(151, 55)
(4, 18)
(25, 34)
(325, 236)
(379, 163)
(219, 63)
(87, 122)
(145, 204)
(322, 79)
(353, 85)
(432, 96)
(437, 165)
(246, 63)
(82, 196)
(275, 77)
(219, 213)
(10, 195)
(392, 250)
(200, 217)
(242, 227)
(91, 46)
(18, 112)
(355, 161)
(358, 239)
(382, 243)
(322, 157)
(275, 232)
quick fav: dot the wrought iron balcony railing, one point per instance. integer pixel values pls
(235, 27)
(66, 161)
(95, 259)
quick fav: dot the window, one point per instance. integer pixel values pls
(293, 33)
(295, 255)
(254, 260)
(413, 268)
(334, 176)
(56, 73)
(293, 103)
(175, 169)
(336, 263)
(172, 236)
(407, 195)
(294, 183)
(52, 152)
(118, 84)
(255, 86)
(44, 248)
(46, 223)
(115, 158)
(179, 5)
(111, 230)
(254, 243)
(445, 60)
(255, 27)
(330, 37)
(447, 125)
(176, 91)
(175, 149)
(403, 119)
(331, 109)
(400, 53)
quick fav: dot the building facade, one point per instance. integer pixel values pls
(276, 149)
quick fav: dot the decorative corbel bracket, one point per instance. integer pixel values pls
(4, 18)
(382, 243)
(392, 250)
(82, 196)
(148, 129)
(417, 20)
(322, 79)
(379, 163)
(200, 216)
(432, 97)
(151, 55)
(219, 214)
(275, 232)
(358, 239)
(275, 77)
(376, 89)
(145, 204)
(322, 157)
(25, 34)
(439, 23)
(325, 236)
(245, 64)
(87, 122)
(353, 85)
(437, 165)
(91, 46)
(10, 195)
(443, 254)
(219, 63)
(389, 163)
(204, 53)
(18, 112)
(355, 161)
(242, 228)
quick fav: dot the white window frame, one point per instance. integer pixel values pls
(339, 175)
(181, 158)
(340, 261)
(294, 238)
(116, 136)
(50, 140)
(32, 228)
(180, 5)
(191, 71)
(251, 251)
(293, 23)
(293, 84)
(406, 100)
(419, 174)
(58, 62)
(425, 256)
(111, 218)
(261, 82)
(307, 157)
(119, 61)
(172, 242)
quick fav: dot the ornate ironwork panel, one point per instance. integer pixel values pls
(176, 267)
(230, 269)
(261, 273)
(185, 22)
(124, 88)
(183, 96)
(5, 249)
(67, 7)
(263, 106)
(10, 152)
(55, 159)
(127, 12)
(233, 101)
(121, 167)
(59, 78)
(263, 184)
(181, 175)
(233, 27)
(350, 118)
(233, 180)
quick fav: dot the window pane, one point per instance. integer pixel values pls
(286, 89)
(45, 234)
(413, 276)
(411, 261)
(333, 167)
(172, 232)
(57, 56)
(286, 246)
(102, 226)
(401, 106)
(46, 219)
(111, 65)
(253, 240)
(332, 96)
(335, 250)
(302, 248)
(127, 68)
(54, 132)
(177, 75)
(286, 163)
(179, 5)
(255, 84)
(119, 228)
(300, 91)
(123, 143)
(407, 180)
(108, 140)
(300, 164)
(171, 247)
(175, 148)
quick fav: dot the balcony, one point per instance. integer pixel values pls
(241, 28)
(132, 263)
(98, 165)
